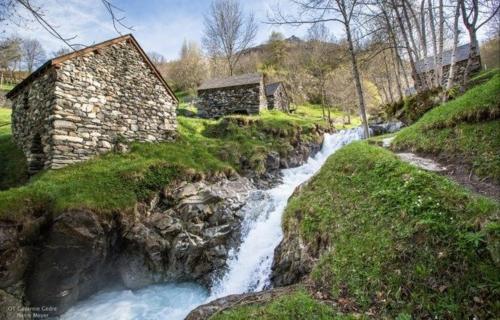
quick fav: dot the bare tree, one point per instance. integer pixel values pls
(10, 55)
(190, 70)
(13, 10)
(344, 12)
(471, 17)
(320, 61)
(411, 53)
(156, 58)
(456, 33)
(33, 53)
(228, 32)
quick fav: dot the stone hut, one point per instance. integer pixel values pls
(277, 98)
(242, 94)
(88, 101)
(425, 67)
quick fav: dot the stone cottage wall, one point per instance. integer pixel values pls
(106, 97)
(247, 99)
(31, 120)
(459, 71)
(278, 100)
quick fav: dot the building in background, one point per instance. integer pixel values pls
(86, 102)
(426, 67)
(277, 98)
(242, 94)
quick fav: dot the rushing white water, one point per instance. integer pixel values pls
(249, 267)
(159, 302)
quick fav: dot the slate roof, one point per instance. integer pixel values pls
(55, 61)
(425, 65)
(234, 81)
(271, 88)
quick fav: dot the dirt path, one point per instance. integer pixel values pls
(455, 171)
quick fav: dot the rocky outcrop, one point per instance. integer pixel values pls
(185, 236)
(184, 233)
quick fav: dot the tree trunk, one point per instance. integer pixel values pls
(424, 40)
(389, 84)
(434, 42)
(396, 58)
(397, 71)
(416, 76)
(439, 66)
(414, 48)
(451, 72)
(357, 79)
(471, 29)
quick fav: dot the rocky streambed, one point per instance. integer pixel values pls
(185, 233)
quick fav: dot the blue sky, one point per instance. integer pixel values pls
(159, 25)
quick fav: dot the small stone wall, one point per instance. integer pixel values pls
(247, 99)
(87, 104)
(279, 100)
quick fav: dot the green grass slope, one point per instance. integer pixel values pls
(465, 130)
(117, 181)
(393, 241)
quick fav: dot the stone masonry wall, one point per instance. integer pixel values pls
(459, 72)
(98, 100)
(279, 100)
(215, 103)
(31, 120)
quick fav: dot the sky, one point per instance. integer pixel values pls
(159, 25)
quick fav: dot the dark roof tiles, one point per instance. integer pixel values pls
(234, 81)
(271, 88)
(427, 64)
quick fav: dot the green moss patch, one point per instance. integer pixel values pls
(396, 240)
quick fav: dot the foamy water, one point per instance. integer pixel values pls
(249, 267)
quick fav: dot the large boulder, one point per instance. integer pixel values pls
(71, 263)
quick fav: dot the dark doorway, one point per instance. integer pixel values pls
(243, 112)
(37, 156)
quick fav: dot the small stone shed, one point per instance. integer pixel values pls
(242, 94)
(85, 102)
(425, 67)
(277, 98)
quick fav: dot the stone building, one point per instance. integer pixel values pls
(425, 67)
(277, 98)
(86, 102)
(242, 94)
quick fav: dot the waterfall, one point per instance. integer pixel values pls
(249, 266)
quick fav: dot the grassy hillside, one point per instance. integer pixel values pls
(298, 305)
(117, 181)
(465, 130)
(393, 241)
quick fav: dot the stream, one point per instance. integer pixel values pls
(249, 266)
